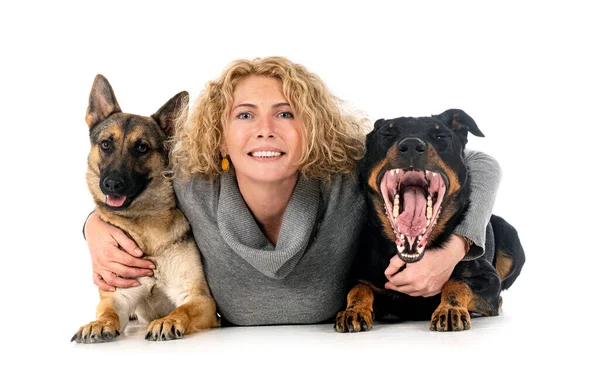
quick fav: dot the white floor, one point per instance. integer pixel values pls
(510, 346)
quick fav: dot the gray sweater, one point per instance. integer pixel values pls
(303, 279)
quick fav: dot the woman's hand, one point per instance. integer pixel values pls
(115, 257)
(427, 276)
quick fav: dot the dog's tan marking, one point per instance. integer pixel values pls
(446, 213)
(113, 131)
(197, 313)
(359, 311)
(504, 263)
(453, 312)
(433, 157)
(373, 178)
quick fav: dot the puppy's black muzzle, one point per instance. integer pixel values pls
(115, 183)
(411, 151)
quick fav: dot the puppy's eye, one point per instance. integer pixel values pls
(142, 148)
(105, 145)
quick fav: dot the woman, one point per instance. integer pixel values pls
(264, 167)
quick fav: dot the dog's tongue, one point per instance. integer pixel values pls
(115, 201)
(412, 220)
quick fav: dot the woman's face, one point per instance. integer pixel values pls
(263, 138)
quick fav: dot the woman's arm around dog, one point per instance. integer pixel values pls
(116, 258)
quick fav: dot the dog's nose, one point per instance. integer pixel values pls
(113, 184)
(412, 146)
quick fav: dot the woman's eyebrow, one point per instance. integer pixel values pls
(245, 105)
(281, 104)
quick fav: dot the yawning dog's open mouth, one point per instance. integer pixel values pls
(413, 200)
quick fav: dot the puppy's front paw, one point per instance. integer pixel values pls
(354, 320)
(165, 329)
(96, 332)
(448, 318)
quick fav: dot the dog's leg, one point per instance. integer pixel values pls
(196, 311)
(358, 315)
(106, 326)
(112, 314)
(473, 287)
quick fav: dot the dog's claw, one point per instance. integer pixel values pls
(353, 321)
(449, 318)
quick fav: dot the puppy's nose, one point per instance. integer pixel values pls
(113, 184)
(410, 146)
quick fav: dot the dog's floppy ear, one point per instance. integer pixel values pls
(167, 115)
(460, 122)
(378, 124)
(102, 103)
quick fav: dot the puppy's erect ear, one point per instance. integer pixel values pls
(460, 122)
(102, 103)
(167, 115)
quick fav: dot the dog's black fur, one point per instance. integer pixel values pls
(435, 144)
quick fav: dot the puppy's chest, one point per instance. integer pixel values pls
(163, 273)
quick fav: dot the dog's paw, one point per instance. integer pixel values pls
(165, 329)
(448, 318)
(96, 332)
(353, 321)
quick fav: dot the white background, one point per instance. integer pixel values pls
(528, 73)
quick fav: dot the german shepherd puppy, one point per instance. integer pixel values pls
(125, 176)
(417, 190)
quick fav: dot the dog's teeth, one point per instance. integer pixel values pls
(402, 237)
(396, 210)
(420, 249)
(429, 212)
(429, 201)
(425, 229)
(420, 237)
(428, 222)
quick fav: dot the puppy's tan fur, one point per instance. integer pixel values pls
(176, 300)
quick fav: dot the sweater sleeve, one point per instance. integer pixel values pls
(485, 174)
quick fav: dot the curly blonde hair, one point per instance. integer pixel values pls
(334, 136)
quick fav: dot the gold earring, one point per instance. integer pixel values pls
(225, 164)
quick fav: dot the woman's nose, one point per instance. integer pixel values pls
(266, 128)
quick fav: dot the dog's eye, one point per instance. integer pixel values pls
(105, 145)
(142, 148)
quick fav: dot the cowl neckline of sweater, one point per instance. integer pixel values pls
(243, 235)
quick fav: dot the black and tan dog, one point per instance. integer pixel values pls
(418, 191)
(125, 176)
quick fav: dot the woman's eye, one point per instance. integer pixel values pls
(105, 145)
(244, 115)
(286, 115)
(142, 148)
